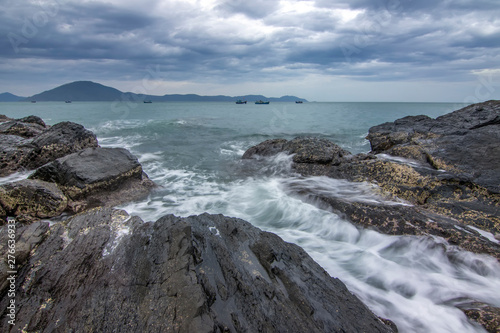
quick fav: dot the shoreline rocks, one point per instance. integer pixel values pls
(73, 173)
(450, 203)
(104, 270)
(446, 170)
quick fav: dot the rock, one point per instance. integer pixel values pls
(462, 142)
(487, 316)
(105, 271)
(98, 176)
(435, 177)
(60, 140)
(29, 200)
(21, 128)
(27, 143)
(305, 150)
(439, 202)
(27, 238)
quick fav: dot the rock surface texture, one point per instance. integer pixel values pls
(104, 271)
(74, 173)
(436, 177)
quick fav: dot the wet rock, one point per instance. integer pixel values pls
(60, 140)
(451, 199)
(27, 143)
(435, 177)
(487, 316)
(26, 128)
(462, 142)
(97, 176)
(106, 271)
(30, 200)
(27, 239)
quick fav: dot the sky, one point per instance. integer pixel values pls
(321, 50)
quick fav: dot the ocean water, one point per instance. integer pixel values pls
(193, 151)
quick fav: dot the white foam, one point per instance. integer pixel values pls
(485, 234)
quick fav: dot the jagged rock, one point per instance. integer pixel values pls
(27, 238)
(104, 271)
(60, 140)
(27, 143)
(26, 127)
(445, 169)
(462, 142)
(29, 200)
(98, 176)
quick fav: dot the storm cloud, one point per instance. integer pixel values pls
(320, 50)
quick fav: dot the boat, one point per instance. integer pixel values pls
(299, 102)
(33, 101)
(67, 101)
(262, 102)
(241, 102)
(148, 101)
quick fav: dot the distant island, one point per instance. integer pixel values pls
(88, 91)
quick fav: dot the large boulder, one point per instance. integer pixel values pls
(463, 142)
(60, 140)
(29, 200)
(97, 176)
(27, 143)
(104, 271)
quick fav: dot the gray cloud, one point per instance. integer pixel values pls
(239, 41)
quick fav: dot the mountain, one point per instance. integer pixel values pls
(91, 91)
(79, 91)
(8, 97)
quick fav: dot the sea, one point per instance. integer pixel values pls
(193, 152)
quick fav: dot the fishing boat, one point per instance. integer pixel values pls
(241, 102)
(148, 101)
(67, 101)
(262, 102)
(298, 102)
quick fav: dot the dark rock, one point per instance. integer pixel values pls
(13, 150)
(33, 120)
(27, 143)
(446, 170)
(464, 141)
(98, 176)
(104, 271)
(22, 129)
(60, 140)
(4, 118)
(27, 239)
(487, 316)
(266, 148)
(30, 200)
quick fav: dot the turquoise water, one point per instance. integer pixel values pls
(193, 150)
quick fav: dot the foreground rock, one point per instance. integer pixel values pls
(27, 143)
(104, 271)
(30, 200)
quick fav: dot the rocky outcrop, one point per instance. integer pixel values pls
(104, 271)
(27, 143)
(74, 177)
(464, 142)
(444, 198)
(30, 200)
(434, 177)
(97, 176)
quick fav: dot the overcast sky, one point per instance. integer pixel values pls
(322, 50)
